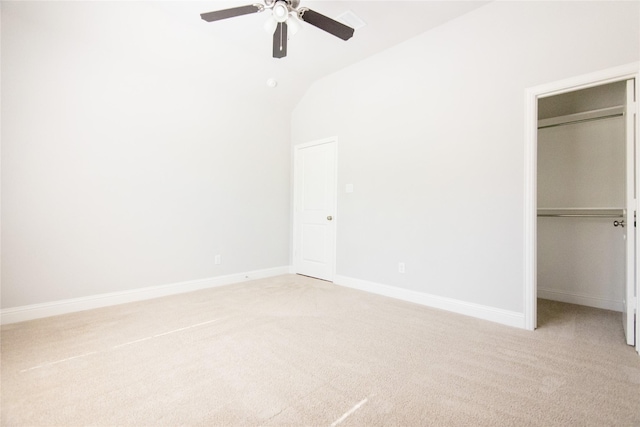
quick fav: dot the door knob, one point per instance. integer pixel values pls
(329, 218)
(618, 223)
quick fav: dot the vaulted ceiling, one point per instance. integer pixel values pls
(238, 50)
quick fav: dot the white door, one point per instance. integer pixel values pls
(315, 168)
(629, 303)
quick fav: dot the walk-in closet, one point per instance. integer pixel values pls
(582, 196)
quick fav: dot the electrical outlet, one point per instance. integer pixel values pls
(401, 267)
(217, 260)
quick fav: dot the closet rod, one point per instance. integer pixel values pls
(581, 121)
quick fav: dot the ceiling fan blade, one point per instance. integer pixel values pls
(280, 40)
(230, 13)
(327, 24)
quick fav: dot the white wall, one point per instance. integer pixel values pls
(129, 158)
(432, 137)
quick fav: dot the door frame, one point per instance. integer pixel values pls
(532, 95)
(296, 188)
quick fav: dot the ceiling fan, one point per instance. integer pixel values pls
(283, 12)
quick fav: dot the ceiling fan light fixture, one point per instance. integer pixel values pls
(294, 25)
(270, 25)
(280, 11)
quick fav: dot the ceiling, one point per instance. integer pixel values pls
(316, 53)
(239, 48)
(312, 53)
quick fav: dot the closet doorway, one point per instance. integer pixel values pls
(586, 198)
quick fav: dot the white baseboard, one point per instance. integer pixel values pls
(505, 317)
(54, 308)
(571, 298)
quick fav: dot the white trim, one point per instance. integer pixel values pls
(630, 214)
(316, 142)
(636, 300)
(532, 95)
(54, 308)
(530, 210)
(571, 298)
(504, 317)
(598, 78)
(296, 219)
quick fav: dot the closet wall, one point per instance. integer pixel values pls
(581, 192)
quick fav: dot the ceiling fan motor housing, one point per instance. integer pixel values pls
(293, 4)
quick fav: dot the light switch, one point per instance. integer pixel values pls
(348, 188)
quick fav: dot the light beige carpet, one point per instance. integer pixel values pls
(296, 351)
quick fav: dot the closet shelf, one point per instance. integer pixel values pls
(587, 116)
(581, 212)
